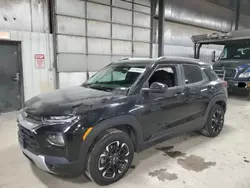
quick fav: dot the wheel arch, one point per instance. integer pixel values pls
(220, 100)
(223, 104)
(126, 123)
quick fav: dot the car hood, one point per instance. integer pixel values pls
(234, 63)
(67, 101)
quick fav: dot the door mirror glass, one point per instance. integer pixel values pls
(156, 87)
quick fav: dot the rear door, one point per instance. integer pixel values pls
(197, 93)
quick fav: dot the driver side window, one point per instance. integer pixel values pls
(164, 75)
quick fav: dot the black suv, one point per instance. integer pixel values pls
(128, 106)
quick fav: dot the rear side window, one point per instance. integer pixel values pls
(193, 74)
(211, 74)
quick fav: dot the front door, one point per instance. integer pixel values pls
(162, 110)
(10, 95)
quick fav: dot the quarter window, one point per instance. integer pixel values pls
(192, 74)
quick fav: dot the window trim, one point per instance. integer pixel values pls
(204, 76)
(203, 69)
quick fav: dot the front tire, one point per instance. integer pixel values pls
(215, 121)
(110, 157)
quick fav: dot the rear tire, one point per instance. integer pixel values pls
(110, 157)
(215, 121)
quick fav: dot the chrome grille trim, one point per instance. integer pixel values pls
(231, 76)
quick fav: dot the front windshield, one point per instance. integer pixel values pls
(236, 51)
(115, 76)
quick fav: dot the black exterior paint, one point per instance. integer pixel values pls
(147, 117)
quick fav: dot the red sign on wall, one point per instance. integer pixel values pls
(39, 61)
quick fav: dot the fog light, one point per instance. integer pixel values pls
(56, 139)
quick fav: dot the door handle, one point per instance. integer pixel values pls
(179, 94)
(17, 78)
(211, 88)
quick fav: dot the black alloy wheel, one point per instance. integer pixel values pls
(215, 121)
(110, 157)
(114, 159)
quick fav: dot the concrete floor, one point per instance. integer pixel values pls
(186, 161)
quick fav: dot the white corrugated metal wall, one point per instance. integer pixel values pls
(24, 15)
(28, 22)
(91, 34)
(186, 18)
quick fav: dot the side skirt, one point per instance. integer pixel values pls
(157, 138)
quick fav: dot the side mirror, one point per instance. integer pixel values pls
(156, 87)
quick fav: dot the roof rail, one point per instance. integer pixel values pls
(124, 58)
(131, 58)
(160, 58)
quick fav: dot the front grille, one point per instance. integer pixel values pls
(228, 73)
(27, 139)
(231, 73)
(220, 73)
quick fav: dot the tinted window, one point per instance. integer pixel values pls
(211, 74)
(165, 75)
(236, 51)
(192, 74)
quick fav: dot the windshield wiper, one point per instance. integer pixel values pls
(99, 87)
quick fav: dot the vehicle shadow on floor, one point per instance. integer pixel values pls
(186, 142)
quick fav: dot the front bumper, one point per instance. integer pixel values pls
(58, 165)
(39, 160)
(238, 85)
(55, 165)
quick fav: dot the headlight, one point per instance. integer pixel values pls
(56, 139)
(59, 119)
(245, 74)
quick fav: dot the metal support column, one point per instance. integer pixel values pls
(161, 6)
(195, 50)
(198, 51)
(237, 14)
(152, 28)
(52, 7)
